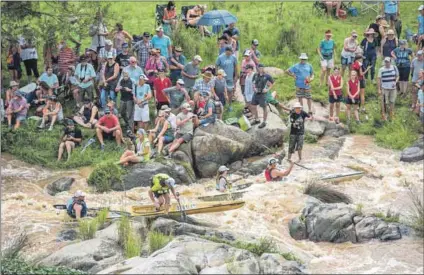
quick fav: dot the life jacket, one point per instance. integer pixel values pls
(268, 176)
(156, 186)
(70, 208)
(227, 184)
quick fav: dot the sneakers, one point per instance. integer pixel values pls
(102, 147)
(262, 125)
(358, 122)
(41, 126)
(256, 121)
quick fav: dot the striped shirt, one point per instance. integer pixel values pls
(203, 87)
(388, 77)
(66, 58)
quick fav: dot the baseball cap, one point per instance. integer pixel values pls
(354, 34)
(143, 76)
(124, 45)
(421, 8)
(420, 52)
(141, 132)
(108, 42)
(180, 81)
(165, 108)
(107, 111)
(221, 71)
(247, 53)
(255, 42)
(79, 193)
(109, 55)
(272, 161)
(261, 65)
(223, 168)
(228, 48)
(13, 83)
(178, 49)
(387, 59)
(186, 106)
(198, 58)
(146, 34)
(170, 181)
(160, 28)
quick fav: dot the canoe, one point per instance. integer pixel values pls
(343, 176)
(190, 209)
(223, 197)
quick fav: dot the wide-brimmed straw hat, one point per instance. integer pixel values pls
(207, 74)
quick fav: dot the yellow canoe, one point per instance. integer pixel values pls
(192, 208)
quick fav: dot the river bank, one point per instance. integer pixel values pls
(268, 210)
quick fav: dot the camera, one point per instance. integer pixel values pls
(131, 135)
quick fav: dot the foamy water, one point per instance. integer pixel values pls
(269, 207)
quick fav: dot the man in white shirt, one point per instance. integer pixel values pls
(388, 76)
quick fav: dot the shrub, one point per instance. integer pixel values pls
(157, 240)
(358, 209)
(128, 239)
(265, 245)
(389, 217)
(124, 228)
(416, 215)
(326, 194)
(18, 266)
(102, 218)
(104, 175)
(87, 228)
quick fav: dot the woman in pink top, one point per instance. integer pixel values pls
(243, 72)
(119, 38)
(353, 97)
(155, 64)
(335, 94)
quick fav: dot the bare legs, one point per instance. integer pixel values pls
(69, 147)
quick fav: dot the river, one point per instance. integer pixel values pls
(268, 210)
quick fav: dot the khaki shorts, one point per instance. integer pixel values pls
(390, 95)
(329, 64)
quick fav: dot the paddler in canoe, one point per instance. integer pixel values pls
(222, 183)
(159, 191)
(272, 173)
(76, 206)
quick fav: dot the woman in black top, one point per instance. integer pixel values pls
(110, 79)
(379, 30)
(14, 64)
(87, 115)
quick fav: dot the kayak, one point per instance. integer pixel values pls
(189, 209)
(342, 177)
(223, 197)
(241, 186)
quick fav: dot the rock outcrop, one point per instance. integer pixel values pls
(415, 152)
(60, 185)
(339, 223)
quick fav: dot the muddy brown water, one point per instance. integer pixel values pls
(268, 210)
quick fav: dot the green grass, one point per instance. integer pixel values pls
(128, 239)
(87, 228)
(18, 266)
(102, 218)
(358, 209)
(157, 240)
(389, 217)
(416, 213)
(104, 175)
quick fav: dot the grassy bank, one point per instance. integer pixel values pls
(282, 37)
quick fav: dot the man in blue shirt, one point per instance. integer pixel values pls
(303, 74)
(228, 62)
(162, 42)
(391, 11)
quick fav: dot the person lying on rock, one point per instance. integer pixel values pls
(159, 191)
(76, 206)
(272, 173)
(222, 183)
(142, 150)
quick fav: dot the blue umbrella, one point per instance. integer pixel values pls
(217, 18)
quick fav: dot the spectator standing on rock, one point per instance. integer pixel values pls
(72, 137)
(228, 62)
(185, 127)
(369, 46)
(388, 76)
(350, 47)
(159, 84)
(255, 54)
(219, 89)
(85, 76)
(402, 56)
(190, 74)
(142, 95)
(262, 83)
(326, 51)
(247, 60)
(143, 49)
(297, 131)
(176, 63)
(126, 88)
(110, 77)
(176, 95)
(417, 65)
(303, 74)
(98, 32)
(353, 97)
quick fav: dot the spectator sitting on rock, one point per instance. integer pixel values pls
(108, 127)
(88, 115)
(162, 134)
(52, 112)
(170, 117)
(142, 150)
(209, 113)
(185, 127)
(176, 95)
(17, 110)
(51, 83)
(71, 138)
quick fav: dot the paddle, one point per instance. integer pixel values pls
(183, 213)
(304, 167)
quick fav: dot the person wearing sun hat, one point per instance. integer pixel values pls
(303, 74)
(176, 63)
(162, 42)
(219, 89)
(389, 43)
(142, 150)
(17, 110)
(221, 181)
(326, 51)
(369, 46)
(297, 130)
(204, 85)
(350, 47)
(10, 93)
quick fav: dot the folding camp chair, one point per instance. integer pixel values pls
(184, 10)
(159, 14)
(319, 8)
(367, 6)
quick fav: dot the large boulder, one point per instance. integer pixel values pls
(374, 228)
(270, 136)
(276, 264)
(218, 144)
(90, 256)
(315, 127)
(60, 185)
(258, 166)
(139, 174)
(336, 130)
(184, 154)
(415, 152)
(190, 255)
(297, 229)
